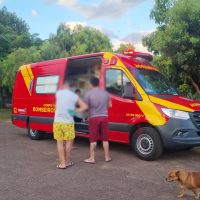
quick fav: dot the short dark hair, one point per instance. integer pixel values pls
(77, 90)
(94, 81)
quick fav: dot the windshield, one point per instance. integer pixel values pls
(153, 82)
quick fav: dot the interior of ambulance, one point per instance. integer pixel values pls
(78, 74)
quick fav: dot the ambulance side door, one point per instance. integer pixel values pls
(122, 93)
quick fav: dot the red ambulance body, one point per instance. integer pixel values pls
(146, 111)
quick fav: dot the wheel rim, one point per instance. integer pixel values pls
(145, 144)
(33, 133)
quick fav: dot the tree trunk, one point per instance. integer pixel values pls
(196, 87)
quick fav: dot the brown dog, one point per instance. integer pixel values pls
(187, 180)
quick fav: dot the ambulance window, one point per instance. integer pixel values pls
(114, 81)
(46, 84)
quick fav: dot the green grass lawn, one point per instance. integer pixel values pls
(5, 114)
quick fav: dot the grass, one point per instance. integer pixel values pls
(5, 114)
(197, 149)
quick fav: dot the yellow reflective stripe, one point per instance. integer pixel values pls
(170, 104)
(152, 114)
(30, 71)
(27, 76)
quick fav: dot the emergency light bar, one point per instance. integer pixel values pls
(138, 55)
(129, 52)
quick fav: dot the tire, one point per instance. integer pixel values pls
(35, 134)
(147, 144)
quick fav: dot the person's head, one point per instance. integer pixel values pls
(66, 85)
(94, 82)
(97, 69)
(78, 92)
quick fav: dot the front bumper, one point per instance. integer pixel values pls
(179, 134)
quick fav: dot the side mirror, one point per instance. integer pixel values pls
(131, 93)
(136, 95)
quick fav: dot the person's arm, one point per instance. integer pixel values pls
(83, 116)
(86, 100)
(109, 102)
(82, 106)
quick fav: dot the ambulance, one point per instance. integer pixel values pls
(147, 112)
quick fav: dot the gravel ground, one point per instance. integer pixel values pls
(28, 172)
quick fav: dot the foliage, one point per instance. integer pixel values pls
(160, 11)
(18, 46)
(65, 42)
(78, 41)
(176, 43)
(14, 33)
(12, 62)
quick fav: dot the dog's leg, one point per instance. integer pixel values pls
(196, 194)
(182, 191)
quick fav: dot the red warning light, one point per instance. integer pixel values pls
(129, 52)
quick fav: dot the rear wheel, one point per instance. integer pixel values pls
(146, 143)
(35, 134)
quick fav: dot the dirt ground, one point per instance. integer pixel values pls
(28, 172)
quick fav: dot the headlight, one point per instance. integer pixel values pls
(178, 114)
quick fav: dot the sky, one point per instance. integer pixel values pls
(123, 21)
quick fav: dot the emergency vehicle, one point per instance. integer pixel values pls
(146, 111)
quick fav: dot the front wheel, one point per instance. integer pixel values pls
(35, 134)
(146, 143)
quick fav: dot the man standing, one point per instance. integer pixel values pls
(98, 101)
(63, 126)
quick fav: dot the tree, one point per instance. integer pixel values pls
(177, 42)
(160, 11)
(14, 34)
(18, 46)
(80, 40)
(14, 60)
(89, 40)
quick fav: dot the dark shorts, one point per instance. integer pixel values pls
(98, 127)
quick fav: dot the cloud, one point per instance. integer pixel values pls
(72, 25)
(106, 31)
(34, 13)
(138, 46)
(1, 1)
(134, 38)
(110, 9)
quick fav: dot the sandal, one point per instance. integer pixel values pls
(61, 167)
(109, 160)
(70, 164)
(89, 161)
